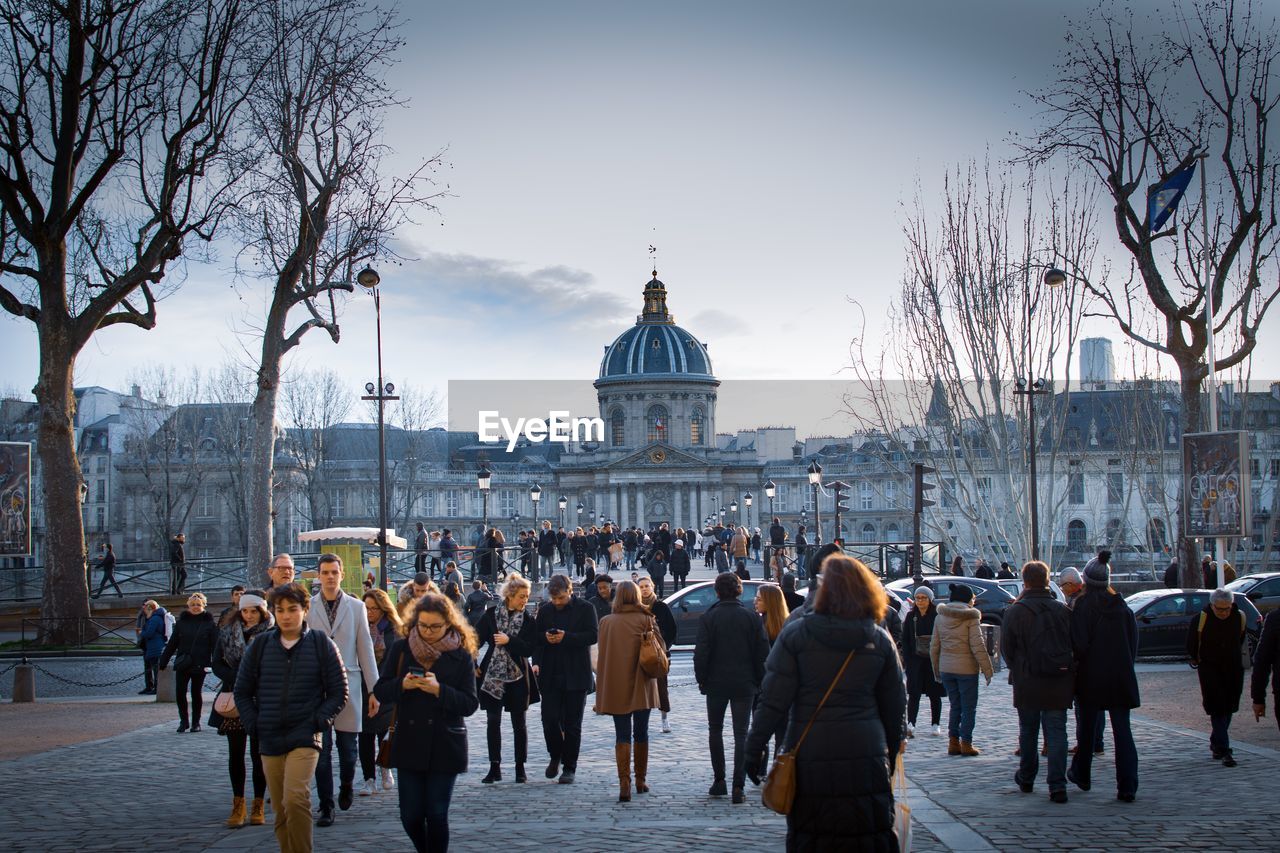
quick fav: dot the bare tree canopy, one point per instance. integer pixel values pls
(319, 205)
(115, 121)
(1131, 111)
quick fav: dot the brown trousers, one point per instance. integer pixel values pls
(289, 780)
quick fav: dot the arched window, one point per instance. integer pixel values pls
(1077, 536)
(1156, 534)
(892, 533)
(697, 427)
(656, 424)
(618, 428)
(868, 533)
(1113, 532)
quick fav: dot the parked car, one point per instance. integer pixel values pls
(1262, 589)
(1014, 588)
(688, 605)
(1164, 616)
(989, 596)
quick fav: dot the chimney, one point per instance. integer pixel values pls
(136, 391)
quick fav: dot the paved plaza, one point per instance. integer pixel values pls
(152, 789)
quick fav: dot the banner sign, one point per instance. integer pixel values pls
(1215, 474)
(15, 499)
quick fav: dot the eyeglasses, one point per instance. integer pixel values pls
(431, 627)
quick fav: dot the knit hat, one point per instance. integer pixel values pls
(1096, 574)
(922, 590)
(248, 601)
(1070, 575)
(679, 543)
(961, 594)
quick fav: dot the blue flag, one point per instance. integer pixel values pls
(1163, 199)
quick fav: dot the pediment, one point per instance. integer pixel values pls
(659, 455)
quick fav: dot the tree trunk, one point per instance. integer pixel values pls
(65, 600)
(258, 492)
(1191, 381)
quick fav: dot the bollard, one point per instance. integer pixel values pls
(24, 683)
(166, 685)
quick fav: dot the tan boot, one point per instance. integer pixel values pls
(953, 746)
(642, 767)
(257, 814)
(237, 813)
(622, 756)
(967, 748)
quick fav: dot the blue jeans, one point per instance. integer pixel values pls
(424, 808)
(636, 724)
(1219, 740)
(1126, 750)
(631, 559)
(962, 693)
(348, 750)
(1054, 723)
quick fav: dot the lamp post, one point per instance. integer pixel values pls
(747, 500)
(770, 491)
(815, 480)
(381, 392)
(580, 509)
(483, 481)
(535, 495)
(562, 503)
(515, 526)
(733, 508)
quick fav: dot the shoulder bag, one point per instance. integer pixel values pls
(384, 754)
(653, 655)
(225, 704)
(780, 786)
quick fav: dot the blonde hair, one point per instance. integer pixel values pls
(514, 583)
(151, 605)
(775, 610)
(197, 596)
(383, 603)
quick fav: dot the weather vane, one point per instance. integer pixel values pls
(653, 257)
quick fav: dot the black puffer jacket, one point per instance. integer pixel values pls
(679, 563)
(287, 697)
(1104, 636)
(192, 635)
(431, 732)
(1217, 650)
(844, 797)
(728, 658)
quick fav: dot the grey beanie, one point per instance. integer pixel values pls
(922, 590)
(1070, 575)
(1096, 574)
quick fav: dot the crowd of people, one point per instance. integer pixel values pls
(835, 677)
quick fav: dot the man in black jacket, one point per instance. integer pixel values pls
(177, 564)
(728, 663)
(777, 539)
(1036, 641)
(1216, 638)
(678, 565)
(566, 631)
(290, 686)
(1266, 666)
(547, 545)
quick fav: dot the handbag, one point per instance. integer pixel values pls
(901, 811)
(653, 657)
(922, 644)
(384, 754)
(225, 704)
(181, 662)
(780, 786)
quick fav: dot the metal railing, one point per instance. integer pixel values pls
(141, 578)
(110, 634)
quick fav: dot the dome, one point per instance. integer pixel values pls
(655, 346)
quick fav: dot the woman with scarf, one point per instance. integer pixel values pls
(506, 680)
(385, 626)
(623, 690)
(430, 677)
(237, 630)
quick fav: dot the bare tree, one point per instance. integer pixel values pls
(319, 205)
(1131, 110)
(113, 117)
(973, 313)
(229, 389)
(313, 404)
(413, 414)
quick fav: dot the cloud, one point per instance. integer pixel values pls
(714, 323)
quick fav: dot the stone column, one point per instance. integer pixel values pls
(613, 504)
(640, 522)
(675, 506)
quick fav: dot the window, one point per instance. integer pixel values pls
(102, 464)
(102, 491)
(984, 489)
(1113, 531)
(1156, 534)
(506, 502)
(1154, 490)
(1077, 536)
(784, 497)
(808, 498)
(1075, 484)
(697, 427)
(1255, 468)
(868, 535)
(1275, 469)
(618, 428)
(656, 424)
(100, 518)
(891, 493)
(1174, 605)
(892, 533)
(337, 502)
(205, 502)
(451, 503)
(1115, 488)
(429, 502)
(865, 496)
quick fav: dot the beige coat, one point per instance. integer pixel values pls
(957, 646)
(621, 686)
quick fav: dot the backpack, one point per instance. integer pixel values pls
(169, 623)
(1049, 652)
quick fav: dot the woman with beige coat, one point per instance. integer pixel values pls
(622, 689)
(958, 653)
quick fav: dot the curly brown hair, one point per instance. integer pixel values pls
(434, 602)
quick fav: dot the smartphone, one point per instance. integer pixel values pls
(416, 671)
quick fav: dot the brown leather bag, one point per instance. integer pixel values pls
(384, 753)
(653, 655)
(780, 787)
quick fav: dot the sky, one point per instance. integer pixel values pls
(770, 151)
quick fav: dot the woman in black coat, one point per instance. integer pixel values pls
(430, 677)
(657, 568)
(238, 630)
(578, 547)
(191, 645)
(917, 630)
(506, 681)
(844, 797)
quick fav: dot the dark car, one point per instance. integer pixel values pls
(989, 596)
(688, 605)
(1164, 616)
(1262, 589)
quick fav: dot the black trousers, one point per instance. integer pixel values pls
(494, 733)
(235, 764)
(108, 578)
(913, 708)
(177, 577)
(660, 585)
(194, 676)
(149, 667)
(419, 563)
(740, 709)
(562, 724)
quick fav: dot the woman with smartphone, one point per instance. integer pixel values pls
(506, 679)
(430, 677)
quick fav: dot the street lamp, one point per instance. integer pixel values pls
(815, 480)
(483, 480)
(733, 508)
(580, 509)
(368, 278)
(747, 499)
(1040, 386)
(515, 525)
(535, 495)
(563, 502)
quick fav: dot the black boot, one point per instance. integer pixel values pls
(495, 773)
(520, 777)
